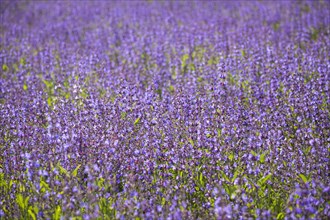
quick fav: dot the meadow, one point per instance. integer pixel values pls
(164, 110)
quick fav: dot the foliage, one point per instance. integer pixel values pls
(164, 110)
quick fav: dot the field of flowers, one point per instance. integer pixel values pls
(164, 110)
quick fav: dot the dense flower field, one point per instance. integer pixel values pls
(164, 110)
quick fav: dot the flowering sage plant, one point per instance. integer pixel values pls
(164, 109)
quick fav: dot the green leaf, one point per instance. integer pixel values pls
(44, 185)
(48, 84)
(171, 88)
(66, 83)
(276, 26)
(159, 92)
(201, 181)
(26, 201)
(254, 153)
(191, 142)
(226, 189)
(75, 172)
(307, 150)
(225, 176)
(57, 214)
(231, 156)
(314, 34)
(263, 180)
(184, 58)
(36, 209)
(123, 115)
(100, 182)
(235, 175)
(210, 62)
(84, 94)
(20, 200)
(22, 61)
(263, 157)
(49, 101)
(233, 195)
(67, 95)
(31, 213)
(25, 86)
(284, 163)
(136, 121)
(219, 130)
(63, 170)
(181, 173)
(304, 178)
(15, 67)
(4, 68)
(243, 52)
(280, 216)
(230, 190)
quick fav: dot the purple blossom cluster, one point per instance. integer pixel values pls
(164, 110)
